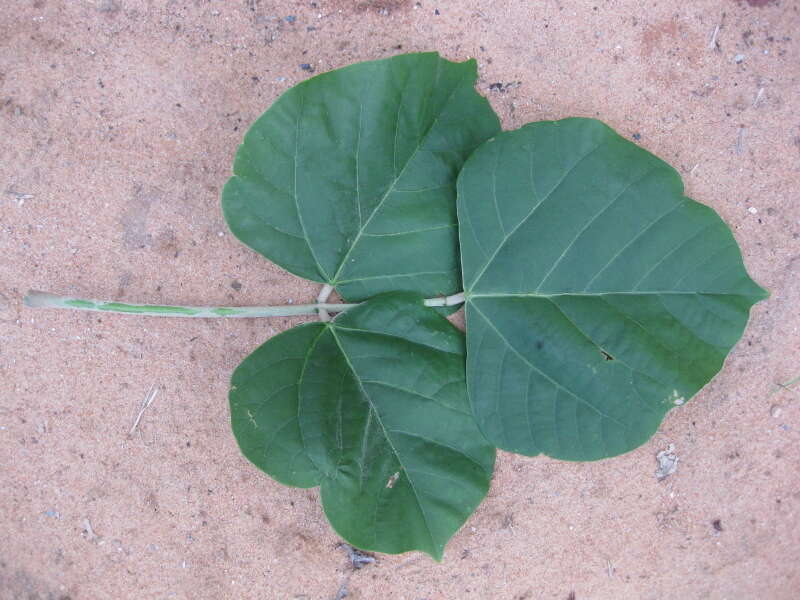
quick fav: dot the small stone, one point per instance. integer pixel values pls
(357, 558)
(290, 19)
(306, 67)
(775, 411)
(637, 136)
(752, 210)
(236, 285)
(739, 58)
(667, 462)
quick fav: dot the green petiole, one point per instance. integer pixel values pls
(37, 299)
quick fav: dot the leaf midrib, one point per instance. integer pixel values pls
(374, 410)
(397, 178)
(533, 210)
(469, 295)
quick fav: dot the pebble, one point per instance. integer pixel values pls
(739, 58)
(667, 462)
(752, 210)
(775, 411)
(290, 19)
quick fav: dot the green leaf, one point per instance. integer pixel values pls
(373, 408)
(597, 296)
(349, 178)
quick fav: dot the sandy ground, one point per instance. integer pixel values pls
(119, 120)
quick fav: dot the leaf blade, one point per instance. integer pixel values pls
(633, 299)
(266, 425)
(349, 178)
(384, 419)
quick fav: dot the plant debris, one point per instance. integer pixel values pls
(148, 400)
(667, 462)
(357, 558)
(504, 87)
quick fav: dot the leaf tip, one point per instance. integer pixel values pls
(436, 554)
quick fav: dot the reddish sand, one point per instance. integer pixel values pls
(119, 121)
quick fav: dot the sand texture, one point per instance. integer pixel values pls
(119, 120)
